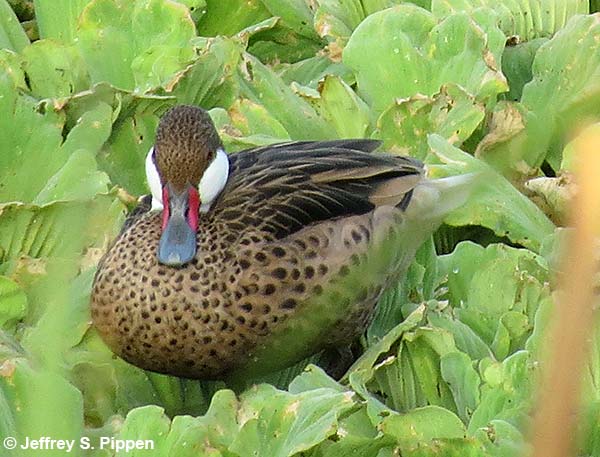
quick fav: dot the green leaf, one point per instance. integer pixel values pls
(13, 303)
(527, 19)
(54, 69)
(122, 156)
(58, 19)
(506, 393)
(465, 338)
(287, 424)
(77, 179)
(313, 378)
(566, 67)
(158, 38)
(495, 203)
(342, 108)
(310, 72)
(422, 425)
(367, 361)
(463, 381)
(225, 17)
(452, 113)
(250, 118)
(145, 423)
(496, 291)
(335, 20)
(12, 35)
(516, 65)
(404, 51)
(263, 86)
(42, 403)
(295, 14)
(211, 80)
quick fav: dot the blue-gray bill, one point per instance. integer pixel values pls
(177, 245)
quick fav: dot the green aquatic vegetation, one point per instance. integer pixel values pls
(450, 362)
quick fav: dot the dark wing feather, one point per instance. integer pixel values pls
(285, 187)
(144, 205)
(355, 144)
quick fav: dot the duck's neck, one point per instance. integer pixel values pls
(213, 180)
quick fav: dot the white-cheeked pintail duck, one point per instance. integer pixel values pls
(251, 262)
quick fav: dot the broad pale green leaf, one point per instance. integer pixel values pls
(313, 378)
(78, 179)
(250, 118)
(122, 162)
(211, 80)
(495, 203)
(30, 142)
(226, 17)
(234, 139)
(158, 38)
(502, 439)
(58, 229)
(12, 75)
(287, 424)
(13, 303)
(146, 423)
(567, 67)
(222, 411)
(367, 361)
(372, 6)
(463, 381)
(12, 35)
(452, 113)
(197, 8)
(343, 109)
(283, 44)
(296, 14)
(42, 403)
(516, 66)
(421, 425)
(495, 291)
(357, 445)
(336, 20)
(310, 72)
(526, 18)
(404, 51)
(465, 338)
(261, 85)
(506, 393)
(54, 69)
(54, 170)
(58, 19)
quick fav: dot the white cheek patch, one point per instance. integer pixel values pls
(213, 180)
(153, 181)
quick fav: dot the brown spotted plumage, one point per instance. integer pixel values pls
(291, 258)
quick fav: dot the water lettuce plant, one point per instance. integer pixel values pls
(450, 362)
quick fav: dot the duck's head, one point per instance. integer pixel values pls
(186, 170)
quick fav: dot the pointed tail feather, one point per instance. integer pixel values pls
(434, 199)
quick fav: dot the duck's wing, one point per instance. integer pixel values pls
(144, 205)
(352, 144)
(284, 188)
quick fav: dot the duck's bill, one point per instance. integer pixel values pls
(177, 245)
